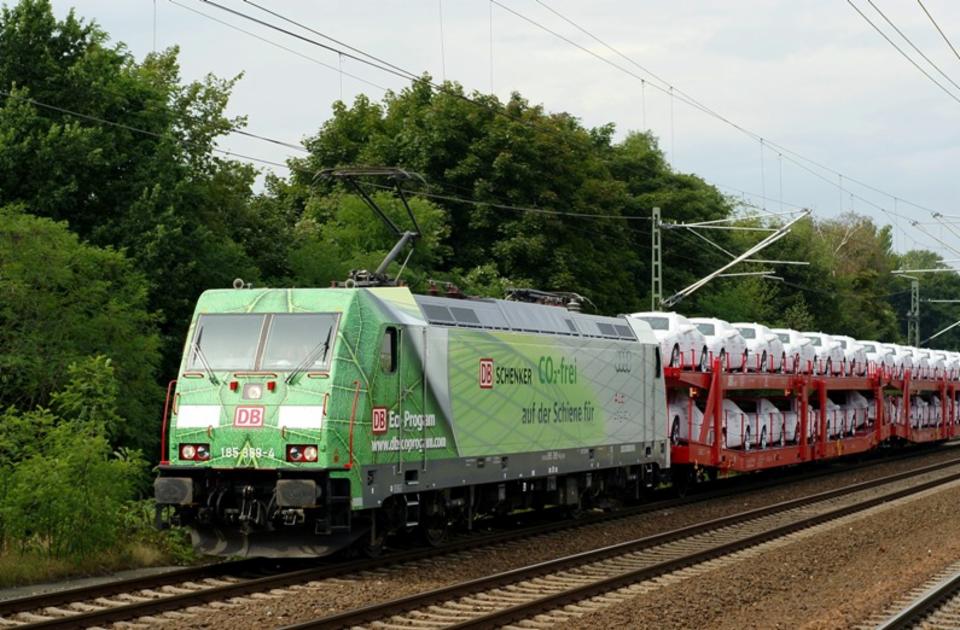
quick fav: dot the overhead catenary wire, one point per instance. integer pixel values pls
(382, 64)
(902, 53)
(429, 195)
(789, 154)
(386, 66)
(939, 30)
(912, 45)
(292, 51)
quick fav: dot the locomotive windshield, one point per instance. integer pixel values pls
(226, 342)
(298, 338)
(257, 341)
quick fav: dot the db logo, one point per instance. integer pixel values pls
(486, 373)
(379, 420)
(248, 417)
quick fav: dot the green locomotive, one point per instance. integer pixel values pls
(307, 420)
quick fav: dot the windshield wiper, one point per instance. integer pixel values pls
(203, 359)
(325, 345)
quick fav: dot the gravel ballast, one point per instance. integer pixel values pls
(330, 596)
(836, 578)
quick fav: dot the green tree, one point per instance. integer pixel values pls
(515, 154)
(150, 182)
(63, 301)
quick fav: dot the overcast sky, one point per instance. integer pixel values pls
(811, 76)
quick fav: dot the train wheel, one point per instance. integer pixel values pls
(376, 541)
(434, 523)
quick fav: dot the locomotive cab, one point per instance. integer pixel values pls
(263, 419)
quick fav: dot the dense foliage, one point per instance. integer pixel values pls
(117, 210)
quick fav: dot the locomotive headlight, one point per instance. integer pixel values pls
(302, 453)
(195, 452)
(252, 391)
(294, 454)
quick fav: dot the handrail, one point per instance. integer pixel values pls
(163, 431)
(353, 416)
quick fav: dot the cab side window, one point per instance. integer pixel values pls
(388, 350)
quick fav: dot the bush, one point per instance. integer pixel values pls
(66, 495)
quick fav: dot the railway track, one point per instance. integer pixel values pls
(209, 585)
(936, 605)
(541, 594)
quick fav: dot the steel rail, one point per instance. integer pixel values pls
(924, 606)
(504, 616)
(218, 593)
(56, 598)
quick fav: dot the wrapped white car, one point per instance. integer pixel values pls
(854, 356)
(765, 350)
(801, 355)
(879, 357)
(724, 342)
(681, 344)
(829, 353)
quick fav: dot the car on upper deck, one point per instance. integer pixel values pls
(724, 342)
(854, 356)
(681, 344)
(830, 357)
(766, 351)
(801, 355)
(879, 356)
